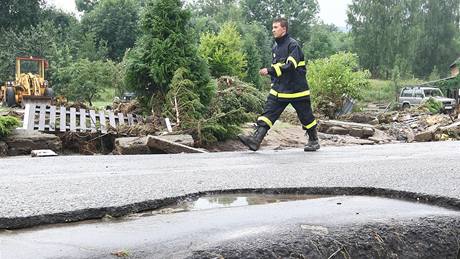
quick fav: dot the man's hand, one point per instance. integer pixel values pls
(263, 72)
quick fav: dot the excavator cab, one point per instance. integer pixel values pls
(29, 84)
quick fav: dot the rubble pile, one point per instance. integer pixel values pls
(405, 126)
(132, 106)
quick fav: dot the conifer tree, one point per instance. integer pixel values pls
(165, 45)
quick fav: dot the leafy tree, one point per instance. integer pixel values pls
(439, 22)
(88, 48)
(85, 5)
(210, 16)
(257, 47)
(332, 78)
(40, 41)
(85, 80)
(19, 14)
(115, 23)
(165, 45)
(223, 52)
(300, 14)
(326, 40)
(416, 35)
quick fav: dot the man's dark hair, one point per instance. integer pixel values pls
(283, 22)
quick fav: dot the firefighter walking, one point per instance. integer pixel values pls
(289, 86)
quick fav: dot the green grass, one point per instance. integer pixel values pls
(105, 99)
(383, 91)
(379, 91)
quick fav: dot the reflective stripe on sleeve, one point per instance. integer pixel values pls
(277, 68)
(292, 60)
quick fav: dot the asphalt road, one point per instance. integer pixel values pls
(39, 186)
(247, 228)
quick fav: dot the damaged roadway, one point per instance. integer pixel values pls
(61, 189)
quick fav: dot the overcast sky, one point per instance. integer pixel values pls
(332, 11)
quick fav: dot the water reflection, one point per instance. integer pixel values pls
(238, 200)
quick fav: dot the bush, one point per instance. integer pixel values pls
(332, 78)
(7, 124)
(224, 52)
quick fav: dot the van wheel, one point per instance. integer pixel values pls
(10, 97)
(405, 106)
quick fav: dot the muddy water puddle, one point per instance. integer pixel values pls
(221, 201)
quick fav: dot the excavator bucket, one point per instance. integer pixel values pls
(36, 100)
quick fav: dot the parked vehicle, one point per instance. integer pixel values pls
(416, 95)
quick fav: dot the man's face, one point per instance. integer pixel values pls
(278, 30)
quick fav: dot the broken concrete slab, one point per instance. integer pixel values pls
(22, 142)
(132, 146)
(169, 144)
(42, 153)
(184, 139)
(159, 143)
(359, 130)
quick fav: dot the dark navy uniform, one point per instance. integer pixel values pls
(289, 85)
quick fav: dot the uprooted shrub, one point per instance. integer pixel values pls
(234, 103)
(7, 124)
(432, 105)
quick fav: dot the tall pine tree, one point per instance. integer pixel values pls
(165, 45)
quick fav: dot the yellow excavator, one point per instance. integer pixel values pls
(29, 84)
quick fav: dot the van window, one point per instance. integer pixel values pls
(407, 93)
(418, 93)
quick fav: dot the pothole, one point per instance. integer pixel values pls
(352, 205)
(220, 201)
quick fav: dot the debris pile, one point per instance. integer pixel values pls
(410, 126)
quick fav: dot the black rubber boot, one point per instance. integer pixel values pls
(313, 141)
(253, 141)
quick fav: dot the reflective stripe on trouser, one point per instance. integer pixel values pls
(274, 108)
